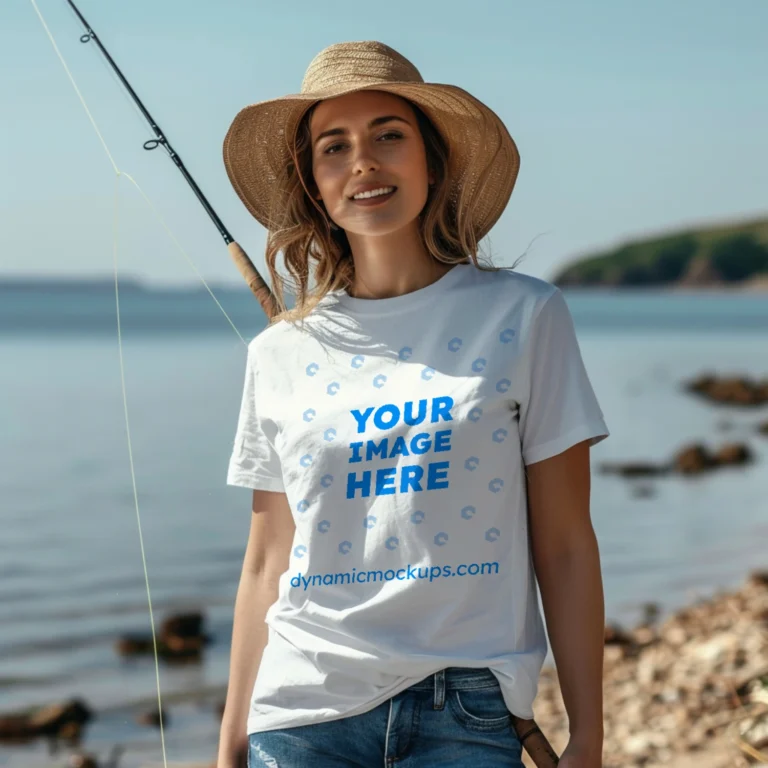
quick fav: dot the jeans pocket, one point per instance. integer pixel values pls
(480, 709)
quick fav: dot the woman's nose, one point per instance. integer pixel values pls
(364, 160)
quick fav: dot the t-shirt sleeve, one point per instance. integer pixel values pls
(254, 462)
(559, 408)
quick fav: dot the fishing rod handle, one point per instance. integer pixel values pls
(254, 280)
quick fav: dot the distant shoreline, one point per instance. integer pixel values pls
(98, 285)
(706, 257)
(750, 287)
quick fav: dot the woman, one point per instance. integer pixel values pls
(416, 434)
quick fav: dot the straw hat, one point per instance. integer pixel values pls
(256, 147)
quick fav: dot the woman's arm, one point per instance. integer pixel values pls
(567, 564)
(266, 558)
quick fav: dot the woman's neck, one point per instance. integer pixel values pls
(392, 265)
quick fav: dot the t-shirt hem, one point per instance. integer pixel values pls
(595, 430)
(255, 482)
(259, 724)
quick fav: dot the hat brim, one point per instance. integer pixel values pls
(256, 146)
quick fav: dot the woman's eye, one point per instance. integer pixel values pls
(329, 149)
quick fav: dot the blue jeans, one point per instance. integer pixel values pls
(452, 719)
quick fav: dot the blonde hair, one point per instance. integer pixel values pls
(305, 237)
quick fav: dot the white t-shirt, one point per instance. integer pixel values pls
(399, 429)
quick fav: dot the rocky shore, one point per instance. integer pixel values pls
(689, 691)
(696, 458)
(729, 390)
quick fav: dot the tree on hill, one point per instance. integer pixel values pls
(674, 257)
(739, 256)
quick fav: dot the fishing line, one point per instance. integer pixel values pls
(130, 178)
(118, 175)
(133, 473)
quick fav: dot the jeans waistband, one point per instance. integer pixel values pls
(457, 678)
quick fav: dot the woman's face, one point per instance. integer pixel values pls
(354, 146)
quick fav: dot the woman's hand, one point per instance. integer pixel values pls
(233, 755)
(578, 755)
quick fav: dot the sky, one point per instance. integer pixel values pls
(631, 119)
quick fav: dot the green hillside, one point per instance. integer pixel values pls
(730, 254)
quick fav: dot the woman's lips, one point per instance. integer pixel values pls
(369, 201)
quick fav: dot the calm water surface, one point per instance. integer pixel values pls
(71, 578)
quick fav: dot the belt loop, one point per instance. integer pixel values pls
(439, 689)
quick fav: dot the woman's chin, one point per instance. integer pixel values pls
(379, 226)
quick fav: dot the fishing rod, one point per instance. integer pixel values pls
(244, 264)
